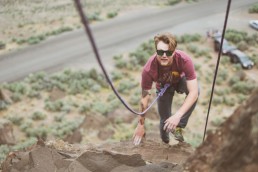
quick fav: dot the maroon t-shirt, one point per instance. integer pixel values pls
(153, 72)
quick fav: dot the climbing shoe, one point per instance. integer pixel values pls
(178, 134)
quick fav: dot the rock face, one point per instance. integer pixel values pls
(234, 146)
(6, 132)
(70, 158)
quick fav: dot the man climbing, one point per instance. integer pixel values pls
(168, 66)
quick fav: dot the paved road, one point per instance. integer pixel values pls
(113, 37)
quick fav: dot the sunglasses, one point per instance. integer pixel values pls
(161, 52)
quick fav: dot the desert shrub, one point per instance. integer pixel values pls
(85, 108)
(173, 2)
(59, 117)
(223, 74)
(217, 100)
(134, 100)
(126, 86)
(234, 80)
(241, 98)
(217, 121)
(4, 149)
(64, 128)
(35, 39)
(111, 97)
(219, 92)
(38, 116)
(2, 45)
(139, 57)
(202, 53)
(54, 106)
(228, 101)
(3, 105)
(112, 14)
(94, 17)
(100, 107)
(34, 94)
(224, 60)
(17, 87)
(120, 63)
(40, 131)
(242, 46)
(16, 97)
(26, 125)
(235, 36)
(76, 87)
(243, 87)
(253, 9)
(95, 88)
(142, 53)
(116, 75)
(15, 119)
(115, 103)
(39, 76)
(187, 38)
(22, 145)
(192, 48)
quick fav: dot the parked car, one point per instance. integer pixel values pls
(237, 56)
(226, 47)
(254, 24)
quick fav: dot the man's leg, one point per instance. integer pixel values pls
(182, 88)
(164, 109)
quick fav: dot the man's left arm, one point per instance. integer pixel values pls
(172, 122)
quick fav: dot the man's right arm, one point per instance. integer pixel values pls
(140, 130)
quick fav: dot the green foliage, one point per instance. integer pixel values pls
(112, 14)
(3, 105)
(235, 36)
(26, 124)
(126, 86)
(187, 38)
(2, 45)
(38, 116)
(94, 17)
(54, 106)
(4, 149)
(65, 127)
(116, 75)
(173, 2)
(85, 108)
(16, 97)
(242, 46)
(142, 54)
(15, 119)
(101, 107)
(253, 9)
(17, 87)
(243, 87)
(39, 131)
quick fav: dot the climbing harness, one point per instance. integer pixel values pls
(93, 44)
(162, 91)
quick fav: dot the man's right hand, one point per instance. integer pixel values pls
(138, 134)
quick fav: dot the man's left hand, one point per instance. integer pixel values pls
(171, 123)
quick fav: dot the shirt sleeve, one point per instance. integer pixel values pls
(147, 80)
(189, 70)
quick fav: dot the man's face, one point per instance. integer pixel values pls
(164, 55)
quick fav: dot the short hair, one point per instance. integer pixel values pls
(167, 38)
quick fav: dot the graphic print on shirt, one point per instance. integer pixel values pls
(169, 77)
